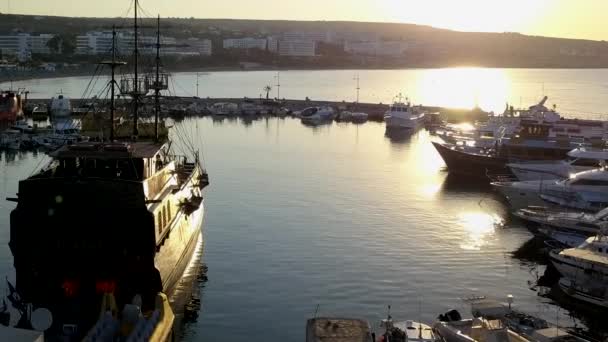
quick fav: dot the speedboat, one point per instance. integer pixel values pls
(579, 159)
(317, 115)
(402, 115)
(587, 190)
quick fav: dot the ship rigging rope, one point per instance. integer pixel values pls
(197, 134)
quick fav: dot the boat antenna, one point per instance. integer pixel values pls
(356, 78)
(156, 83)
(135, 80)
(420, 318)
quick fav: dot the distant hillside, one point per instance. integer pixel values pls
(429, 46)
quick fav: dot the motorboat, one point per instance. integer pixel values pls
(60, 107)
(488, 326)
(579, 159)
(587, 262)
(402, 115)
(563, 238)
(587, 190)
(495, 321)
(407, 331)
(358, 117)
(578, 222)
(317, 115)
(224, 108)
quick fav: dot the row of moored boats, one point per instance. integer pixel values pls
(553, 173)
(490, 321)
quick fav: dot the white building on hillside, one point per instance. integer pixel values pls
(376, 48)
(297, 48)
(203, 47)
(22, 45)
(245, 43)
(326, 37)
(100, 43)
(94, 43)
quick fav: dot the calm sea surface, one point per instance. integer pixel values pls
(341, 216)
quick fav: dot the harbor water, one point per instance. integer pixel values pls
(574, 91)
(342, 219)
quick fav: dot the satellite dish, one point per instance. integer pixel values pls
(42, 319)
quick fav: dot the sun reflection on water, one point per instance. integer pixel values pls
(479, 228)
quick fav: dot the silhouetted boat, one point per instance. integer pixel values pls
(122, 217)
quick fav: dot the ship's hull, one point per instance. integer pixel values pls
(576, 269)
(461, 162)
(177, 251)
(394, 122)
(597, 296)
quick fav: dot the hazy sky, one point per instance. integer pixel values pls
(559, 18)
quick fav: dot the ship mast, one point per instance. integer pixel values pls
(112, 84)
(156, 83)
(135, 79)
(113, 64)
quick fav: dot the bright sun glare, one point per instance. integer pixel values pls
(479, 227)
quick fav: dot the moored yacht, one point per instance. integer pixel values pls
(587, 262)
(577, 222)
(402, 115)
(586, 190)
(579, 159)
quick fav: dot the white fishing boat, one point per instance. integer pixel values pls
(586, 190)
(402, 115)
(579, 159)
(60, 107)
